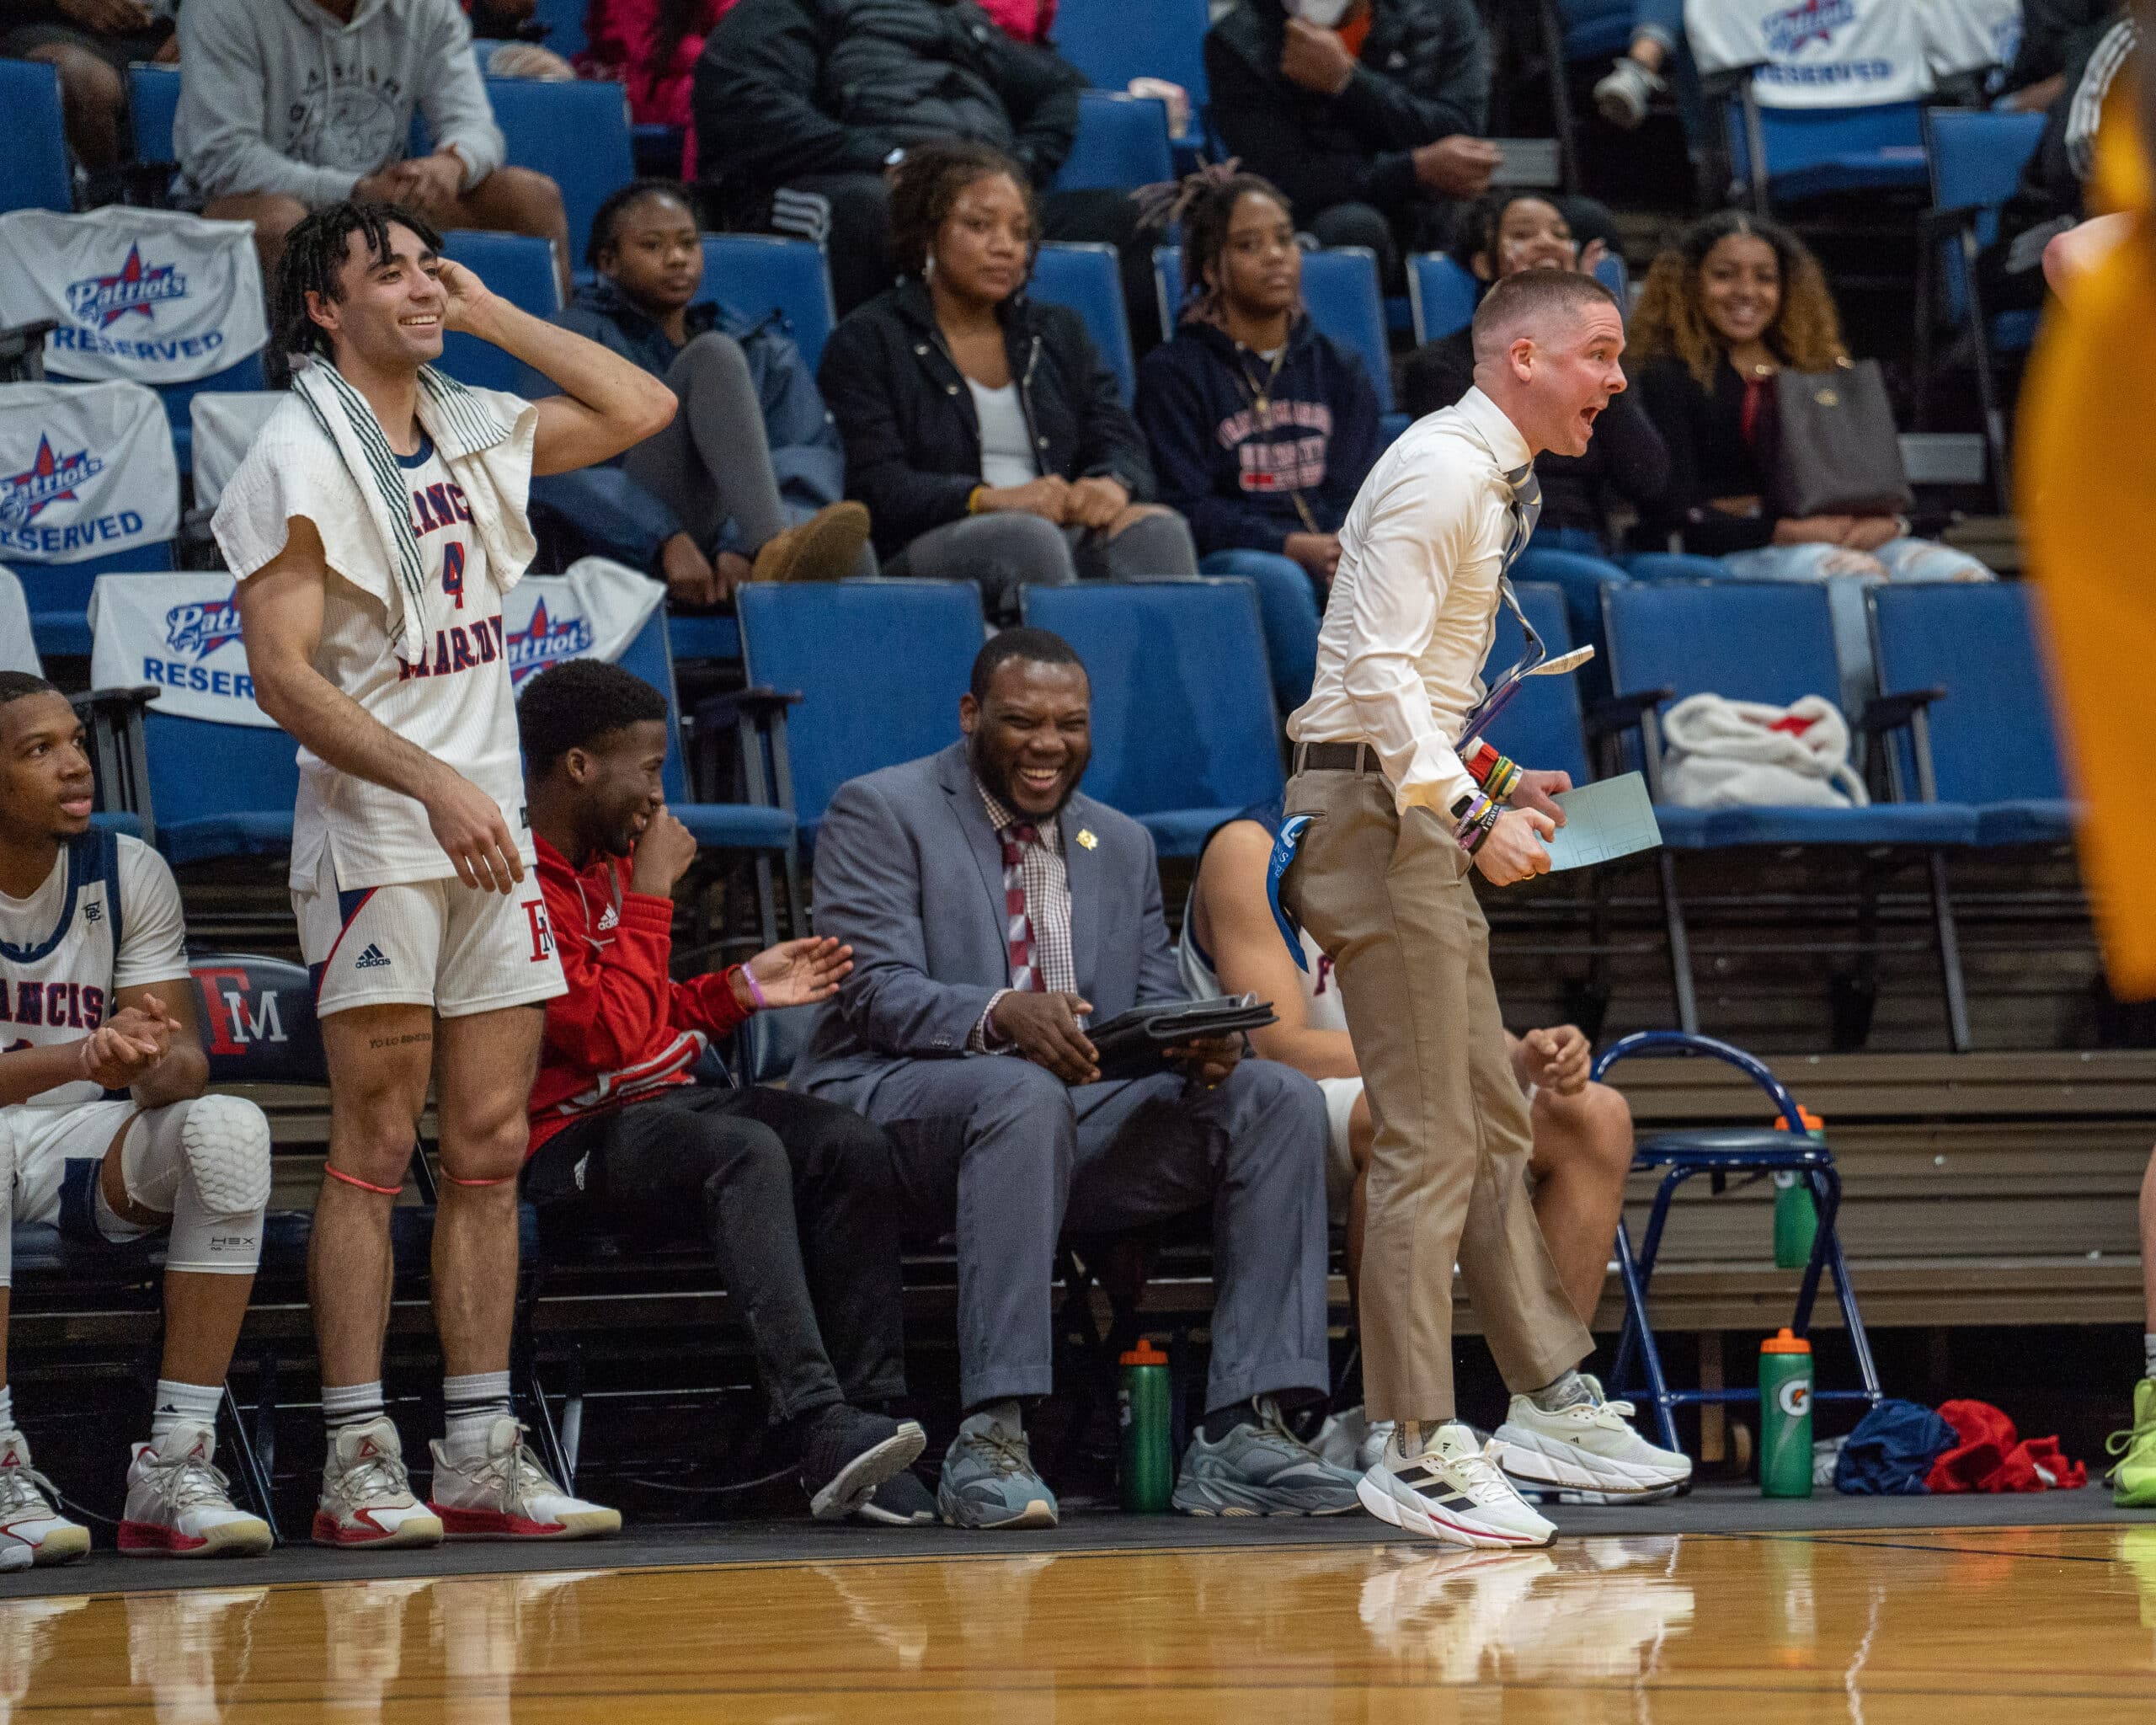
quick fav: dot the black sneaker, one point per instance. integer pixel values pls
(901, 1501)
(849, 1452)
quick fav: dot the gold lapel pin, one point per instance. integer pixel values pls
(1085, 838)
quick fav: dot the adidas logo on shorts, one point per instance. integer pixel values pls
(373, 958)
(609, 918)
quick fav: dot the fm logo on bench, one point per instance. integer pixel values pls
(235, 1023)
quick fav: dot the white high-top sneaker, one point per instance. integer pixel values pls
(180, 1505)
(1451, 1492)
(31, 1529)
(505, 1494)
(1587, 1452)
(366, 1497)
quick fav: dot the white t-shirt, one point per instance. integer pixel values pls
(58, 971)
(1006, 446)
(452, 698)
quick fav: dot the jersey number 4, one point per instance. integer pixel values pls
(452, 572)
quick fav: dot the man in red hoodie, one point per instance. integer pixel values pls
(794, 1195)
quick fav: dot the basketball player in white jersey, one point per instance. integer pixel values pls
(95, 999)
(374, 527)
(1581, 1149)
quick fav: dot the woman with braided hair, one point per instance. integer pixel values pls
(1261, 429)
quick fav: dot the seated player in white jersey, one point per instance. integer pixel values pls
(374, 527)
(95, 998)
(1583, 1131)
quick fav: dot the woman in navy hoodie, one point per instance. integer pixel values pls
(1261, 429)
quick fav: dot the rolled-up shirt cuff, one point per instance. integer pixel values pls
(977, 1039)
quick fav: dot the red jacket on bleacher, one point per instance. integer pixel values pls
(625, 1031)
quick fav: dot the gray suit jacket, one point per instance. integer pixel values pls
(909, 873)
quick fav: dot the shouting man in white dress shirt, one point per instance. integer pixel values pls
(1382, 883)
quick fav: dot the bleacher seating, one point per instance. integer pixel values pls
(1811, 152)
(1986, 740)
(1084, 278)
(152, 100)
(1122, 144)
(1184, 725)
(577, 133)
(1769, 642)
(1113, 42)
(1976, 160)
(34, 170)
(521, 270)
(758, 274)
(222, 424)
(864, 709)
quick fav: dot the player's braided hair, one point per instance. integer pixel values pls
(16, 684)
(1205, 217)
(927, 184)
(314, 261)
(573, 704)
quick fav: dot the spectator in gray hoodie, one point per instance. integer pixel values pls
(287, 105)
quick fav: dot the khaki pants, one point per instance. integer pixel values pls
(1390, 900)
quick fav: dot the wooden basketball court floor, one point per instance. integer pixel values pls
(1962, 1624)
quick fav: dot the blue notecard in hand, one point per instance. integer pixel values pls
(1610, 819)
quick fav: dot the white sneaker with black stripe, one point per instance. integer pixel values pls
(1586, 1452)
(1452, 1492)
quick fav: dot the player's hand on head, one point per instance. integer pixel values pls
(663, 855)
(1514, 850)
(467, 824)
(470, 299)
(1538, 790)
(800, 973)
(1044, 1027)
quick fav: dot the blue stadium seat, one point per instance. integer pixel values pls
(862, 708)
(1987, 740)
(58, 594)
(219, 790)
(1085, 279)
(1443, 292)
(577, 133)
(1770, 641)
(179, 400)
(519, 268)
(1340, 286)
(1810, 153)
(1183, 724)
(152, 99)
(1122, 143)
(1113, 41)
(35, 171)
(1977, 159)
(565, 21)
(1543, 727)
(757, 274)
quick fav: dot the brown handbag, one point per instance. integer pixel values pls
(1837, 451)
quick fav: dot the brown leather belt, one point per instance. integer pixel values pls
(1337, 757)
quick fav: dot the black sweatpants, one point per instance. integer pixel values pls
(795, 1196)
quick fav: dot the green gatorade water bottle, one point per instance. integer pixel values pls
(1148, 1474)
(1786, 1416)
(1797, 1213)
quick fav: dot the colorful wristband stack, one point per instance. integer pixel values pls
(1499, 775)
(1473, 817)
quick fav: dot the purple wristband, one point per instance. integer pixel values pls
(755, 993)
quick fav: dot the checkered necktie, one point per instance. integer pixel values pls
(1527, 509)
(1017, 920)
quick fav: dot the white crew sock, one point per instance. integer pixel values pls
(350, 1404)
(2148, 1349)
(183, 1404)
(6, 1408)
(471, 1405)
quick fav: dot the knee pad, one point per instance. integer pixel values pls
(206, 1163)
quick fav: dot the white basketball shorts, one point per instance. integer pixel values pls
(436, 944)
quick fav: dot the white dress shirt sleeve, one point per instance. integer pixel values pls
(1419, 532)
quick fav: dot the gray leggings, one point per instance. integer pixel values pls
(1004, 552)
(713, 463)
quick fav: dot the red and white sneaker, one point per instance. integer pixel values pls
(366, 1497)
(505, 1494)
(180, 1505)
(31, 1529)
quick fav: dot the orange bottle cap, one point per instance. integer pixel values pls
(1144, 1354)
(1787, 1341)
(1812, 1122)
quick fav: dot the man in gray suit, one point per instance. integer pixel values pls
(993, 912)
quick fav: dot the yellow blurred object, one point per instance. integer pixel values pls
(2086, 486)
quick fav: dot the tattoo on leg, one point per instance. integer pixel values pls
(400, 1041)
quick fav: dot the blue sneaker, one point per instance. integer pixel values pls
(989, 1480)
(1260, 1468)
